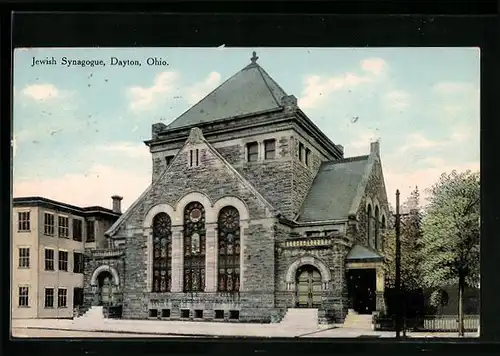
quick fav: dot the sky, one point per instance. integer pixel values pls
(78, 132)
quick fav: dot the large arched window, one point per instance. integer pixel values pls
(369, 224)
(194, 247)
(377, 227)
(228, 226)
(383, 222)
(162, 252)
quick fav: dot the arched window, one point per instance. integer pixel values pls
(228, 226)
(369, 224)
(194, 247)
(383, 222)
(162, 252)
(377, 226)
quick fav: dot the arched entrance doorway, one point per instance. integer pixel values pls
(105, 289)
(309, 287)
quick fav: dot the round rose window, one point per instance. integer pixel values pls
(195, 215)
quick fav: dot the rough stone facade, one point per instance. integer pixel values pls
(268, 193)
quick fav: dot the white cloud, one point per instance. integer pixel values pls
(317, 88)
(417, 141)
(361, 145)
(41, 92)
(134, 150)
(397, 99)
(375, 66)
(423, 178)
(199, 90)
(142, 98)
(95, 187)
(454, 88)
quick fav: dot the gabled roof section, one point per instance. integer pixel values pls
(195, 137)
(251, 90)
(334, 189)
(364, 253)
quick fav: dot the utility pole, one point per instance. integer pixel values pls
(398, 269)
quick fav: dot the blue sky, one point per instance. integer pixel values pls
(78, 132)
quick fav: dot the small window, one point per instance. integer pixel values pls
(301, 152)
(24, 257)
(234, 314)
(168, 160)
(62, 298)
(308, 157)
(252, 152)
(23, 223)
(90, 231)
(77, 296)
(165, 313)
(49, 259)
(219, 314)
(63, 261)
(198, 314)
(77, 262)
(23, 296)
(184, 313)
(153, 313)
(63, 225)
(194, 158)
(77, 230)
(49, 297)
(48, 224)
(270, 149)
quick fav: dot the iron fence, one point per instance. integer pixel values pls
(438, 323)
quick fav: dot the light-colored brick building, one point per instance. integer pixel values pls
(49, 239)
(251, 210)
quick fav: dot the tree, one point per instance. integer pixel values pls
(450, 243)
(410, 235)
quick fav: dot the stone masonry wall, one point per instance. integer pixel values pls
(302, 176)
(215, 180)
(375, 190)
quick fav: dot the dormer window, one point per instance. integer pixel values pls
(270, 149)
(169, 160)
(307, 157)
(194, 158)
(301, 152)
(252, 152)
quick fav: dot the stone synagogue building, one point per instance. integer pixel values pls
(252, 210)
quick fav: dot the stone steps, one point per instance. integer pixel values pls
(358, 321)
(300, 318)
(94, 313)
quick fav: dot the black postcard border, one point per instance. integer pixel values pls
(65, 29)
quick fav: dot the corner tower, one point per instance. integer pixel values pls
(260, 130)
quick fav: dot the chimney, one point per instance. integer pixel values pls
(375, 148)
(117, 204)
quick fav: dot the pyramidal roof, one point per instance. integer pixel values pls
(251, 90)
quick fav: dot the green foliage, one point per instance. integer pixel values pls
(450, 243)
(410, 236)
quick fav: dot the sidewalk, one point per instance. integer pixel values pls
(210, 329)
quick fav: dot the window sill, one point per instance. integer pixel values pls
(22, 267)
(51, 308)
(23, 306)
(19, 231)
(49, 270)
(62, 307)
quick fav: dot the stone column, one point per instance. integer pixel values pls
(148, 235)
(243, 239)
(379, 292)
(177, 258)
(211, 255)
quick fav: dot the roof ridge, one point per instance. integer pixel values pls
(348, 159)
(262, 72)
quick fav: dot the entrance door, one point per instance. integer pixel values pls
(308, 287)
(361, 287)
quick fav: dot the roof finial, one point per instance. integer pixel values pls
(254, 57)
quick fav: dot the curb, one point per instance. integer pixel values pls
(116, 331)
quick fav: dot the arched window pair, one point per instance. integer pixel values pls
(194, 250)
(373, 226)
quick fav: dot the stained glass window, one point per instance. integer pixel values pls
(194, 247)
(162, 253)
(229, 250)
